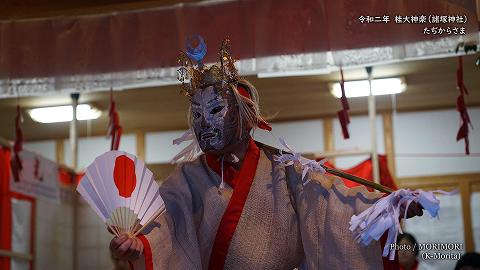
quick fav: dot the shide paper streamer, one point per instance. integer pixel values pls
(382, 216)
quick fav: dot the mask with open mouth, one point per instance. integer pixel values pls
(214, 118)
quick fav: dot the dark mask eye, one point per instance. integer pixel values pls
(216, 110)
(196, 115)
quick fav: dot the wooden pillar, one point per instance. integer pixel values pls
(74, 147)
(328, 139)
(59, 152)
(372, 116)
(140, 138)
(389, 143)
(465, 192)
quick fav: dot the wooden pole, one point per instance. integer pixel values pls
(339, 173)
(74, 131)
(14, 254)
(330, 155)
(389, 143)
(357, 179)
(465, 192)
(373, 128)
(140, 138)
(59, 152)
(74, 147)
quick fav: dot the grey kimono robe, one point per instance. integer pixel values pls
(284, 224)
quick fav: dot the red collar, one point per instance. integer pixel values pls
(230, 174)
(243, 180)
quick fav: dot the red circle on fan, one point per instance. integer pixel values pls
(124, 176)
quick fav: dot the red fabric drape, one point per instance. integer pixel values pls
(5, 207)
(6, 196)
(114, 128)
(343, 113)
(364, 170)
(462, 108)
(151, 38)
(66, 177)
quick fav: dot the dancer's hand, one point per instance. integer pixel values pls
(126, 248)
(415, 209)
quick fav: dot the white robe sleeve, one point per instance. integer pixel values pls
(165, 239)
(324, 207)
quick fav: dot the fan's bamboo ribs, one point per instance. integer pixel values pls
(132, 229)
(159, 212)
(133, 222)
(122, 214)
(120, 220)
(113, 219)
(117, 220)
(359, 180)
(112, 228)
(117, 230)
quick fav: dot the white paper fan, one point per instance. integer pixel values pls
(121, 190)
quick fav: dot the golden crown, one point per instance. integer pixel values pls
(195, 75)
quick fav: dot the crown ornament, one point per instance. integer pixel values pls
(195, 75)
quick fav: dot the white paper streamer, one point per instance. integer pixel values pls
(293, 157)
(385, 215)
(191, 151)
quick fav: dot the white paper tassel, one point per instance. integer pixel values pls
(293, 157)
(384, 215)
(191, 151)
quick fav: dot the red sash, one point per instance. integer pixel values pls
(241, 181)
(147, 251)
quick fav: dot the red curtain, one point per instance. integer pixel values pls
(151, 38)
(365, 170)
(5, 207)
(6, 210)
(66, 178)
